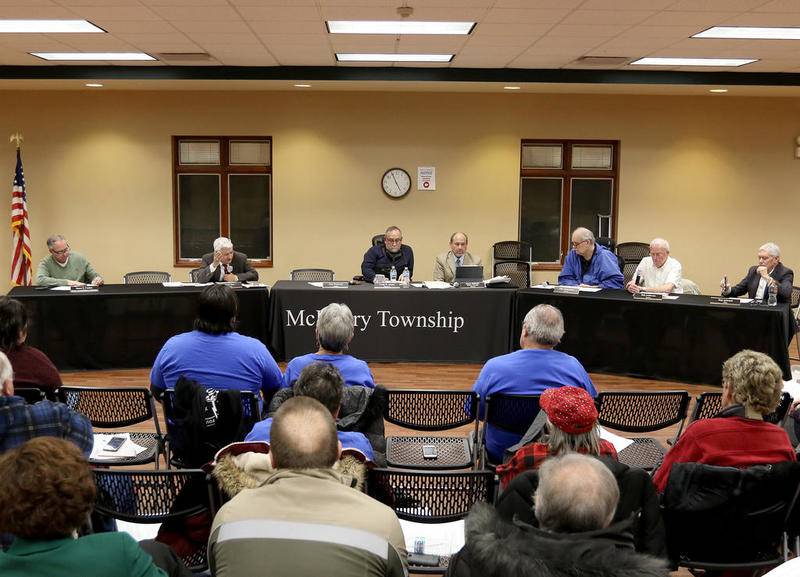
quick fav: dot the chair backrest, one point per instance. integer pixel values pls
(430, 410)
(607, 242)
(377, 239)
(708, 404)
(642, 411)
(518, 271)
(312, 274)
(430, 496)
(795, 297)
(146, 277)
(30, 394)
(512, 250)
(512, 413)
(690, 287)
(628, 270)
(112, 407)
(193, 274)
(633, 251)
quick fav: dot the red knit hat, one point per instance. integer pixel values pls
(571, 409)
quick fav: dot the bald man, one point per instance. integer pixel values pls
(444, 269)
(589, 264)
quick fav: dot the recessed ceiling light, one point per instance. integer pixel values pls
(510, 87)
(302, 86)
(93, 85)
(397, 27)
(92, 56)
(349, 57)
(750, 32)
(47, 26)
(719, 90)
(694, 61)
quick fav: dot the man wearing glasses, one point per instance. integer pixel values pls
(590, 264)
(62, 267)
(392, 253)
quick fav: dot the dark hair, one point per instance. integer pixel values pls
(303, 435)
(323, 382)
(46, 489)
(217, 308)
(13, 321)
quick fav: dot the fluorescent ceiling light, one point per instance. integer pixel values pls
(397, 27)
(511, 87)
(694, 61)
(750, 32)
(93, 85)
(47, 26)
(93, 56)
(719, 90)
(302, 86)
(345, 57)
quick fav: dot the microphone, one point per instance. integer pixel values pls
(638, 280)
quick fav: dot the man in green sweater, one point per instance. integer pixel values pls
(61, 267)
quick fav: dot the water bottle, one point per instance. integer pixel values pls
(772, 299)
(393, 274)
(405, 278)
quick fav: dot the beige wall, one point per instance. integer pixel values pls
(714, 175)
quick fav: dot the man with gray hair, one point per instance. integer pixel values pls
(769, 272)
(590, 264)
(392, 253)
(444, 268)
(62, 267)
(659, 272)
(225, 265)
(531, 370)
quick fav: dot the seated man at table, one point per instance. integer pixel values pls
(768, 272)
(658, 273)
(213, 354)
(589, 264)
(392, 253)
(444, 269)
(226, 265)
(62, 267)
(529, 371)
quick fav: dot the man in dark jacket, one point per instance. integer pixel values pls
(575, 504)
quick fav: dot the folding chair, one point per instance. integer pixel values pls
(312, 274)
(30, 394)
(642, 412)
(518, 271)
(146, 277)
(430, 410)
(114, 408)
(510, 413)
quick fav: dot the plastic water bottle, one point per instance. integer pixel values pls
(393, 274)
(405, 278)
(772, 299)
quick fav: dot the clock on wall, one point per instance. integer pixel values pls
(396, 182)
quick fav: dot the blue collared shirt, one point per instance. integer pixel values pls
(20, 422)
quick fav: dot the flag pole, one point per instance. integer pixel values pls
(18, 138)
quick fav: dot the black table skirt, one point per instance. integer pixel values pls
(411, 324)
(122, 326)
(684, 340)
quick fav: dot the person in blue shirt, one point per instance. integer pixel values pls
(334, 332)
(392, 253)
(529, 371)
(323, 382)
(590, 264)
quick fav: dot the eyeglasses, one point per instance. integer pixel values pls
(393, 240)
(64, 250)
(577, 244)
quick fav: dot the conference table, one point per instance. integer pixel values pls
(122, 326)
(456, 325)
(686, 339)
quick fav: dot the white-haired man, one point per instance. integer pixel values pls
(590, 264)
(659, 272)
(768, 272)
(529, 371)
(226, 264)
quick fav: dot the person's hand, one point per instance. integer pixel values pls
(723, 284)
(633, 288)
(230, 277)
(762, 270)
(75, 283)
(217, 255)
(97, 281)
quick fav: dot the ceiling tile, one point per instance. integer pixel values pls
(510, 29)
(765, 19)
(484, 40)
(580, 30)
(615, 17)
(699, 20)
(197, 13)
(225, 27)
(786, 6)
(299, 27)
(294, 40)
(36, 12)
(626, 4)
(716, 5)
(100, 14)
(526, 16)
(139, 27)
(279, 13)
(205, 38)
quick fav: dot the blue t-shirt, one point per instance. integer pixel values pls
(350, 440)
(226, 361)
(525, 372)
(603, 270)
(353, 370)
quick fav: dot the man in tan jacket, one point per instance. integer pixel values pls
(444, 269)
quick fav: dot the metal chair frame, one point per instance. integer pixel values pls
(312, 274)
(378, 239)
(708, 404)
(30, 394)
(512, 413)
(146, 277)
(633, 251)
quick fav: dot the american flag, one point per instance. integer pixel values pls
(20, 233)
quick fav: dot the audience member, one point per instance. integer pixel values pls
(62, 267)
(658, 272)
(590, 264)
(303, 520)
(392, 253)
(213, 354)
(31, 366)
(334, 332)
(575, 503)
(529, 371)
(46, 492)
(768, 272)
(738, 436)
(444, 268)
(226, 265)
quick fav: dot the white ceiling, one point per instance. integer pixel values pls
(510, 34)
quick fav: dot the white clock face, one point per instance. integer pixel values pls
(396, 182)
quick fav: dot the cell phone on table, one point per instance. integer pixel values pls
(114, 444)
(429, 451)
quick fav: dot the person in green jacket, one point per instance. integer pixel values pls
(62, 267)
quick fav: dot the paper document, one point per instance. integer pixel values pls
(437, 284)
(172, 284)
(546, 286)
(440, 538)
(139, 531)
(254, 285)
(497, 280)
(128, 448)
(330, 284)
(618, 442)
(65, 287)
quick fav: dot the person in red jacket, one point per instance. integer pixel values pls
(738, 436)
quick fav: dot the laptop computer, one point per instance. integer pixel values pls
(472, 273)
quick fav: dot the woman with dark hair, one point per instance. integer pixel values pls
(32, 368)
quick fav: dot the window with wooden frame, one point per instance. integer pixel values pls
(565, 184)
(222, 186)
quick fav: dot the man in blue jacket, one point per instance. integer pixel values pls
(590, 264)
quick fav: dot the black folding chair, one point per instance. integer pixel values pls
(510, 413)
(518, 271)
(116, 408)
(431, 410)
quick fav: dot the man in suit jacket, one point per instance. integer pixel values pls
(769, 271)
(444, 268)
(225, 265)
